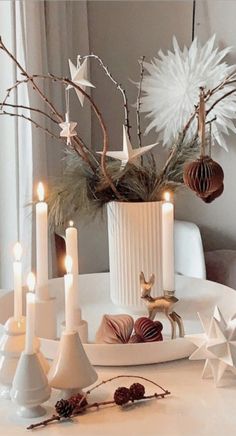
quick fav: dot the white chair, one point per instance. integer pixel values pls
(189, 254)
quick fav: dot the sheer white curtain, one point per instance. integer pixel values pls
(42, 35)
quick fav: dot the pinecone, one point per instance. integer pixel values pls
(122, 396)
(64, 408)
(75, 401)
(137, 391)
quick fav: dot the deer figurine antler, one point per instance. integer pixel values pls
(163, 304)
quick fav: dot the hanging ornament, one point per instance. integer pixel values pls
(68, 127)
(79, 75)
(204, 176)
(128, 154)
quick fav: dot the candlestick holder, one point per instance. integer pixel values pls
(30, 386)
(12, 343)
(71, 370)
(45, 318)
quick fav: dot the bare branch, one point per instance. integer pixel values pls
(118, 86)
(20, 106)
(138, 102)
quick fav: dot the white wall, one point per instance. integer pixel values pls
(121, 32)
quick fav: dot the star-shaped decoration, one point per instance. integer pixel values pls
(217, 345)
(79, 77)
(68, 129)
(128, 154)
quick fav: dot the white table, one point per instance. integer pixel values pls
(194, 408)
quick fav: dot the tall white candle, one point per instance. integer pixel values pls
(72, 251)
(17, 273)
(42, 245)
(69, 295)
(168, 244)
(72, 246)
(30, 315)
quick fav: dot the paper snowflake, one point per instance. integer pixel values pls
(171, 90)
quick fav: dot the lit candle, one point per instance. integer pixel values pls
(17, 273)
(30, 315)
(69, 295)
(168, 244)
(72, 246)
(42, 245)
(72, 250)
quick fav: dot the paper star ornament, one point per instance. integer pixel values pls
(217, 345)
(68, 129)
(79, 75)
(128, 153)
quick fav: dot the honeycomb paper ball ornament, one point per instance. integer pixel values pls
(204, 176)
(214, 195)
(148, 330)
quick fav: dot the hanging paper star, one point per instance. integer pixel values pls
(79, 77)
(217, 345)
(128, 154)
(68, 129)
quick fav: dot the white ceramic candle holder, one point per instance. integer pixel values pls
(30, 386)
(71, 371)
(12, 343)
(45, 318)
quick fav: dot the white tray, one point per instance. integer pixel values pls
(194, 295)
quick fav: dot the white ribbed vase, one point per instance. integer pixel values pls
(134, 233)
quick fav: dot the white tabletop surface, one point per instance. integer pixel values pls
(194, 408)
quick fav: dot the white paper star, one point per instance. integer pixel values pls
(128, 154)
(217, 345)
(79, 77)
(68, 129)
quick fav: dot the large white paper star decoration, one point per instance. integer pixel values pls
(79, 75)
(128, 153)
(68, 129)
(217, 345)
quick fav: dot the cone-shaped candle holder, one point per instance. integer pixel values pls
(12, 344)
(30, 386)
(71, 370)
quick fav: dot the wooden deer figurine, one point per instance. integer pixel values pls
(163, 304)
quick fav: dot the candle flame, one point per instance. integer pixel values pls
(31, 281)
(68, 264)
(167, 196)
(40, 191)
(71, 223)
(17, 251)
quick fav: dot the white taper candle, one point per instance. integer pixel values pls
(168, 244)
(42, 245)
(72, 250)
(30, 315)
(69, 296)
(17, 275)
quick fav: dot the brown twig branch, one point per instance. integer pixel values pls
(118, 86)
(138, 102)
(78, 410)
(37, 125)
(20, 106)
(54, 111)
(101, 122)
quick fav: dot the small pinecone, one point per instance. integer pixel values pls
(137, 391)
(122, 396)
(75, 401)
(64, 408)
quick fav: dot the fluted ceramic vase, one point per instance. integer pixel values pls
(134, 233)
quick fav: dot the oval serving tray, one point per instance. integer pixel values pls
(195, 295)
